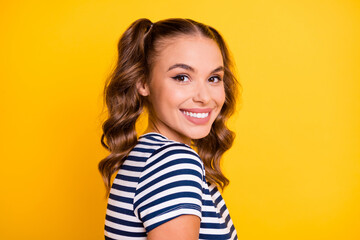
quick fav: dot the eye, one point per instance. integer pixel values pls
(181, 78)
(215, 79)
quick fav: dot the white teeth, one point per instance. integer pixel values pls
(196, 115)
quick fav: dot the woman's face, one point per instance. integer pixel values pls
(186, 89)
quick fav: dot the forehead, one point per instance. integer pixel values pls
(197, 51)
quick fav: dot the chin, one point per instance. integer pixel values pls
(199, 134)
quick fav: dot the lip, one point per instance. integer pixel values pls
(197, 121)
(197, 110)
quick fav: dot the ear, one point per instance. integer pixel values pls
(143, 88)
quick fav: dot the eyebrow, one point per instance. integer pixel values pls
(187, 67)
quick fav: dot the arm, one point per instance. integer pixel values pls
(184, 227)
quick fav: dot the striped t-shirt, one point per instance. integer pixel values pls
(160, 180)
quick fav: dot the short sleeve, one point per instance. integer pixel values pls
(170, 185)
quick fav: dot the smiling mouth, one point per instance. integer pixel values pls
(195, 115)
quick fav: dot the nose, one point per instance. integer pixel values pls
(201, 93)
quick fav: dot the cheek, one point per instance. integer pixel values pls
(173, 93)
(166, 98)
(163, 93)
(220, 97)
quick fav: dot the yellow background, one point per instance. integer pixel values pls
(295, 164)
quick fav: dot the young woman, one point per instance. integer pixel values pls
(180, 71)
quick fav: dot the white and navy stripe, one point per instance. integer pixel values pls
(159, 181)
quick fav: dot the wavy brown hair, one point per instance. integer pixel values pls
(138, 48)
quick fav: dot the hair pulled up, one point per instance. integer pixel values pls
(138, 48)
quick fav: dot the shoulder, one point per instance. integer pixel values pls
(170, 185)
(169, 162)
(175, 148)
(164, 151)
(174, 153)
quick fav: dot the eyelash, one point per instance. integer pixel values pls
(177, 77)
(218, 77)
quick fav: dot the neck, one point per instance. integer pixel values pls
(168, 134)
